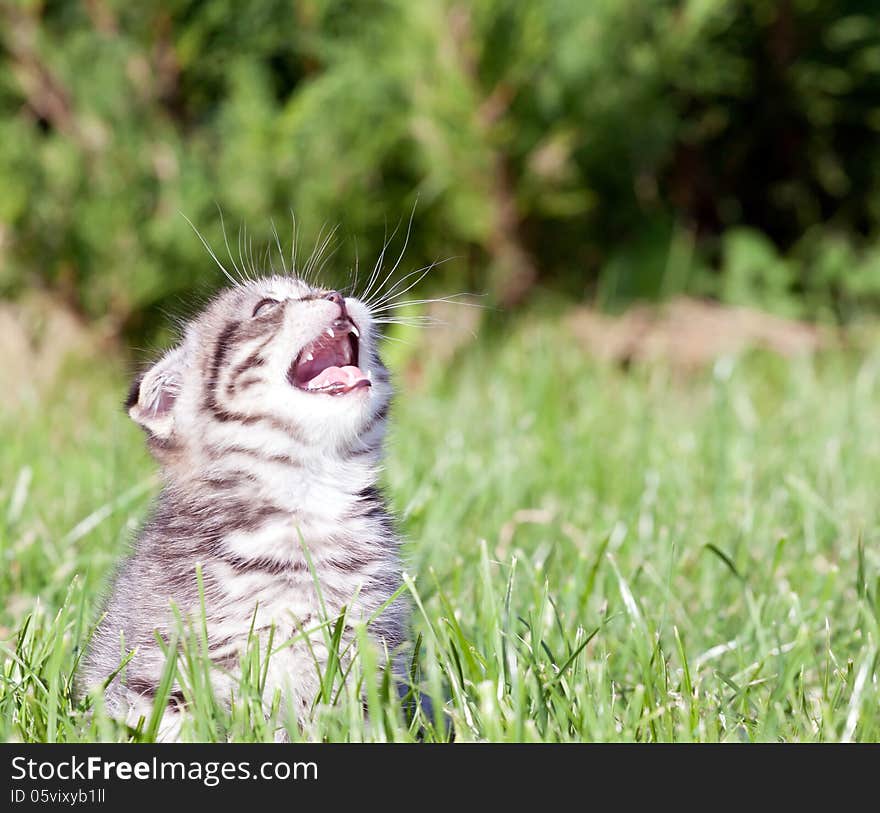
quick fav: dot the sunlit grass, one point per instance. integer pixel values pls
(594, 554)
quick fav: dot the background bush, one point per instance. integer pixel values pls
(614, 148)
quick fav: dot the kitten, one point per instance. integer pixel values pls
(268, 422)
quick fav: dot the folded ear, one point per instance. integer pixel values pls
(151, 398)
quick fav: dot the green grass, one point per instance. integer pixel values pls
(595, 554)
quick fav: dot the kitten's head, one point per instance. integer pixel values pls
(267, 360)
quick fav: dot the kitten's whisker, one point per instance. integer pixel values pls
(351, 286)
(278, 247)
(293, 244)
(226, 243)
(390, 274)
(386, 338)
(317, 253)
(414, 318)
(211, 252)
(377, 268)
(229, 254)
(412, 321)
(307, 269)
(392, 294)
(248, 255)
(323, 264)
(308, 263)
(246, 261)
(240, 258)
(356, 264)
(379, 297)
(400, 256)
(451, 300)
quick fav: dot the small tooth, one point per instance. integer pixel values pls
(355, 331)
(309, 357)
(369, 375)
(330, 333)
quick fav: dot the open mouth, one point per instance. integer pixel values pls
(329, 365)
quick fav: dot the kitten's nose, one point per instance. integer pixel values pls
(335, 296)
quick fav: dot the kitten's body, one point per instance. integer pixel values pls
(269, 487)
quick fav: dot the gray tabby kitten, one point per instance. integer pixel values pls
(268, 422)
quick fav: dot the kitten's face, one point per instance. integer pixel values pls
(268, 358)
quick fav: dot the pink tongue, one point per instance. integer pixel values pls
(348, 376)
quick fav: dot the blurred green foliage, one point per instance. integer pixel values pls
(611, 148)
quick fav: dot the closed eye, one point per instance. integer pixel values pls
(264, 305)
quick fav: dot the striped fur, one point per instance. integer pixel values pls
(257, 474)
